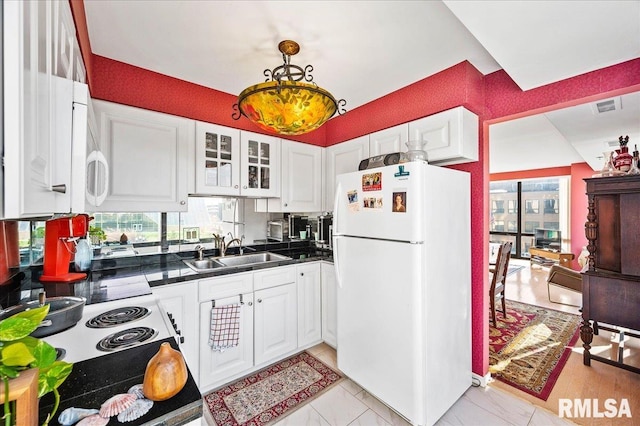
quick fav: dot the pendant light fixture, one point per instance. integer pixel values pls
(284, 103)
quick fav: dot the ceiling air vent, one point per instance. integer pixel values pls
(606, 105)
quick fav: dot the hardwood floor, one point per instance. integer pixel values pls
(576, 380)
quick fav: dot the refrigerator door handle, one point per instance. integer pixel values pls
(336, 260)
(336, 208)
(336, 214)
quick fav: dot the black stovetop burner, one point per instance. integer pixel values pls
(118, 316)
(126, 338)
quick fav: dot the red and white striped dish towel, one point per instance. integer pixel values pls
(225, 327)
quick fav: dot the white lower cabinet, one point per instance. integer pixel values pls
(283, 309)
(216, 366)
(268, 322)
(329, 304)
(309, 304)
(275, 332)
(177, 303)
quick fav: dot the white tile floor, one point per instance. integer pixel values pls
(348, 404)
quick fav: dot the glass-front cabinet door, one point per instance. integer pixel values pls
(217, 160)
(260, 166)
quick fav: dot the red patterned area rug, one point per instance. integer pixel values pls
(529, 348)
(263, 397)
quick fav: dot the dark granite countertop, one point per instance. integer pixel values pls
(119, 277)
(95, 380)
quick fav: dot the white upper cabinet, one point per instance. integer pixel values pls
(451, 136)
(301, 179)
(35, 183)
(39, 40)
(64, 40)
(342, 158)
(259, 165)
(217, 160)
(393, 139)
(149, 154)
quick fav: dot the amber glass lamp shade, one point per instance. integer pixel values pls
(287, 107)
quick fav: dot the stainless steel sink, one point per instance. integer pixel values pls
(64, 312)
(251, 259)
(203, 265)
(211, 264)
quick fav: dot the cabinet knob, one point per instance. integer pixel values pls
(244, 187)
(285, 204)
(62, 188)
(302, 274)
(259, 300)
(250, 303)
(182, 203)
(235, 186)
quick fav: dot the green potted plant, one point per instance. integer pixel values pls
(19, 352)
(96, 235)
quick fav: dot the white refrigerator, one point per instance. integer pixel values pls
(402, 251)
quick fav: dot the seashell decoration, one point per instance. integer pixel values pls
(136, 390)
(93, 420)
(72, 415)
(139, 408)
(116, 404)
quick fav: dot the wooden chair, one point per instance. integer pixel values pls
(499, 275)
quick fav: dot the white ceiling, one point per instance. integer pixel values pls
(561, 137)
(362, 50)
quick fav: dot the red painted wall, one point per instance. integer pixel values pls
(579, 204)
(150, 90)
(459, 85)
(494, 98)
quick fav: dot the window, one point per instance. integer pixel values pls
(532, 206)
(138, 227)
(551, 206)
(529, 203)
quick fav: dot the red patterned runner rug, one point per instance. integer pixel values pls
(529, 348)
(266, 395)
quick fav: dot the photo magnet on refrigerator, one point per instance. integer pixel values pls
(352, 198)
(372, 181)
(399, 202)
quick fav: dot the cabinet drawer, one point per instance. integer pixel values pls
(226, 286)
(274, 277)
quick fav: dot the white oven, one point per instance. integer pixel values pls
(128, 320)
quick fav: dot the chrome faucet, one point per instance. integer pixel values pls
(224, 247)
(200, 250)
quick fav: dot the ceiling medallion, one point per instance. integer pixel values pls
(283, 103)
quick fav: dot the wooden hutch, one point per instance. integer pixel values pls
(611, 286)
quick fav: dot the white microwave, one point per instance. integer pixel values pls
(89, 167)
(277, 230)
